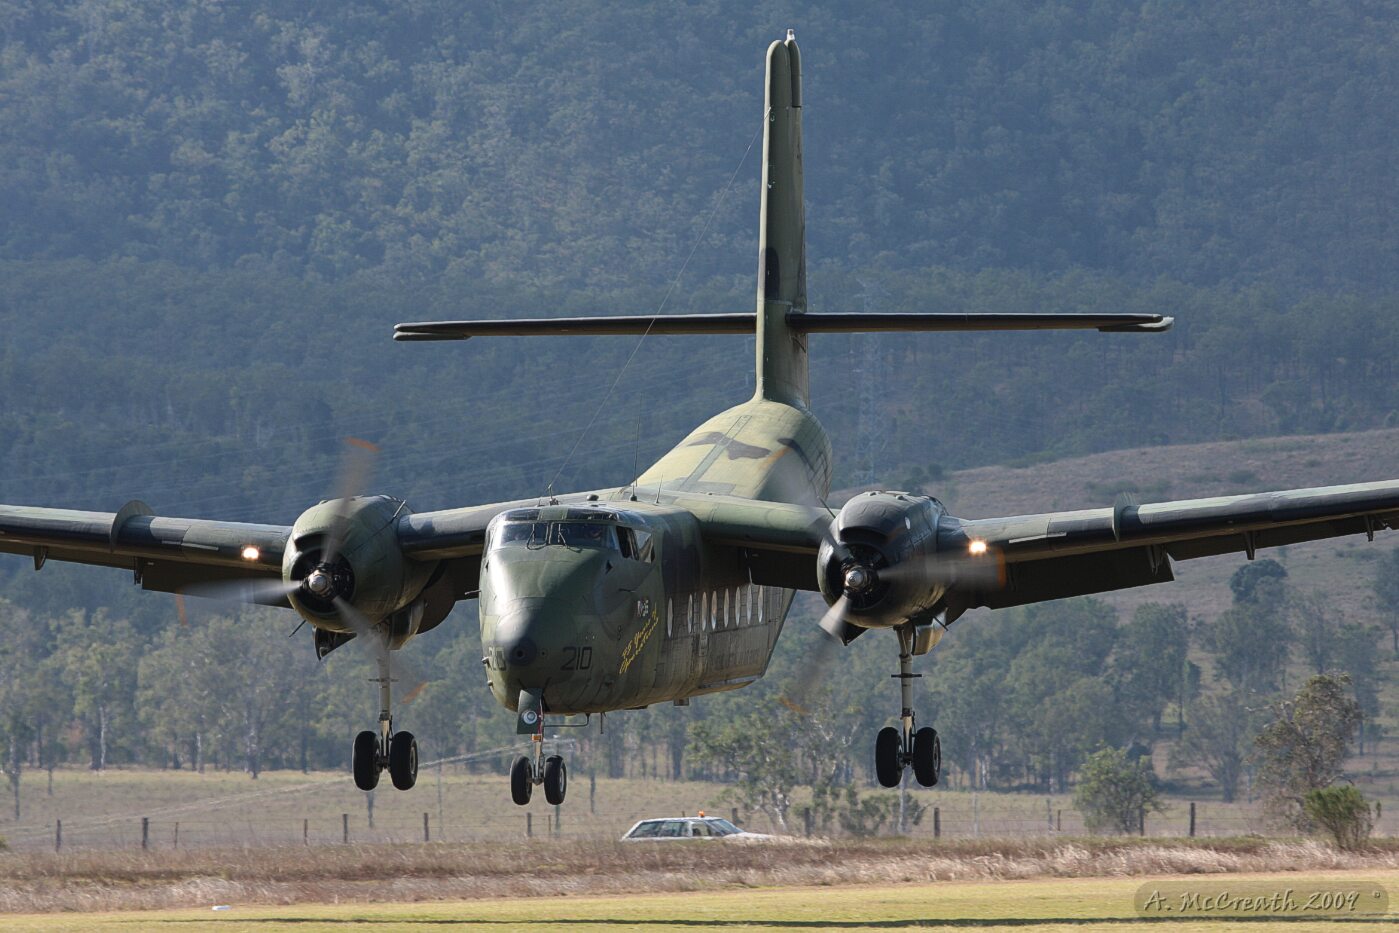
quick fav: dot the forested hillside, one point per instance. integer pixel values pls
(212, 214)
(535, 146)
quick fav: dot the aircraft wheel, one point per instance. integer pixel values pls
(521, 781)
(888, 749)
(366, 760)
(927, 756)
(555, 779)
(403, 760)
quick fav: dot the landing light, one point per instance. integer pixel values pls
(251, 552)
(976, 548)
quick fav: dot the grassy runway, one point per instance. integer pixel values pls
(1070, 904)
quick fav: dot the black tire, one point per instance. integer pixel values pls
(366, 760)
(403, 760)
(888, 749)
(927, 756)
(555, 779)
(521, 781)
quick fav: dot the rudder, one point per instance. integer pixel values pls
(781, 351)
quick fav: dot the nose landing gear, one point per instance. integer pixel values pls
(386, 750)
(550, 771)
(897, 748)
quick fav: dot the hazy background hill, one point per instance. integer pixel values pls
(534, 146)
(212, 214)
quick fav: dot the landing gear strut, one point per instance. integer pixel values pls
(897, 748)
(549, 771)
(386, 750)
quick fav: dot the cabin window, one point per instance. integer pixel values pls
(645, 546)
(669, 617)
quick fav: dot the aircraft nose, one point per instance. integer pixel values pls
(520, 624)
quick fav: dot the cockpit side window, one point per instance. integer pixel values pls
(585, 534)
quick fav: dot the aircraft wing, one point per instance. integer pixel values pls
(1059, 554)
(165, 554)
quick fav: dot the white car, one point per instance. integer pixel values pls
(688, 827)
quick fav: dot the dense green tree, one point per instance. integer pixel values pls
(98, 663)
(1150, 660)
(1250, 642)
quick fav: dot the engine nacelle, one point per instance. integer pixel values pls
(874, 556)
(368, 569)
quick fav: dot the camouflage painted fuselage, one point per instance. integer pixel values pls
(595, 629)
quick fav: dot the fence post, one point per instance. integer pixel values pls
(806, 820)
(58, 836)
(558, 819)
(1192, 819)
(1141, 821)
(177, 834)
(145, 832)
(1059, 820)
(345, 828)
(937, 823)
(529, 825)
(306, 832)
(592, 793)
(426, 837)
(733, 813)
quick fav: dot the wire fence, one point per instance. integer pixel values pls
(452, 806)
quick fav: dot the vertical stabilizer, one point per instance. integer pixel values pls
(782, 368)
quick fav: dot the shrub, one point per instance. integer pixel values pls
(1114, 791)
(1343, 812)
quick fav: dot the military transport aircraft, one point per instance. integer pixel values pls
(677, 584)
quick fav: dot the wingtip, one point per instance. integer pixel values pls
(1162, 324)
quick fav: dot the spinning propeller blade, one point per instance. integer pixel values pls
(356, 466)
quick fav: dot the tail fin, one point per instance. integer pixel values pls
(782, 359)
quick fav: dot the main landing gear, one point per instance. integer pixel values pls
(386, 750)
(897, 748)
(526, 774)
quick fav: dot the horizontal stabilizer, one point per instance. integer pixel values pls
(869, 322)
(739, 323)
(745, 322)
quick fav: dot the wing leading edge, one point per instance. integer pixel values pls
(1059, 554)
(163, 554)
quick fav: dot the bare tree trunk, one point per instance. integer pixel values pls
(252, 745)
(14, 770)
(102, 737)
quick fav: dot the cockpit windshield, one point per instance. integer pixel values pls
(564, 534)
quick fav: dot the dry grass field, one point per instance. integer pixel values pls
(1060, 904)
